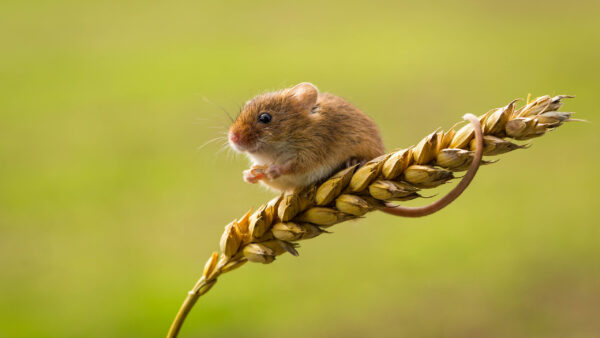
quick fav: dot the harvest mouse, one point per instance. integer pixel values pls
(298, 136)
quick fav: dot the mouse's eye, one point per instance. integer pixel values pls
(264, 118)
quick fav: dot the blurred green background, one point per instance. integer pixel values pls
(109, 207)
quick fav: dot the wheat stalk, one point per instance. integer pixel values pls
(275, 227)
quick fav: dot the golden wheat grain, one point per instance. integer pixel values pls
(274, 228)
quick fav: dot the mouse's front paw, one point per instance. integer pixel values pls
(253, 175)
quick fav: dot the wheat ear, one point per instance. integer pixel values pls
(275, 227)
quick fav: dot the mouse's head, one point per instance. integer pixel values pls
(268, 123)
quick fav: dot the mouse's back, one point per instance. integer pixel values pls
(355, 135)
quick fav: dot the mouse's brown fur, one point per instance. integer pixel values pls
(309, 136)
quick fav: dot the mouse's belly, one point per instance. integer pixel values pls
(292, 182)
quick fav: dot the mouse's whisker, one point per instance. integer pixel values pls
(224, 147)
(218, 138)
(221, 107)
(220, 128)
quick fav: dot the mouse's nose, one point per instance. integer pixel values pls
(234, 137)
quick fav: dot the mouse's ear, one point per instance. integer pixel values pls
(304, 95)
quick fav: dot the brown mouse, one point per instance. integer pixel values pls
(298, 136)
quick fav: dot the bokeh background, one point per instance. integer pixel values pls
(110, 205)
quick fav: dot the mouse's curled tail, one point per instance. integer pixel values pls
(454, 193)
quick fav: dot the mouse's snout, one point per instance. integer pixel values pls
(238, 141)
(234, 137)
